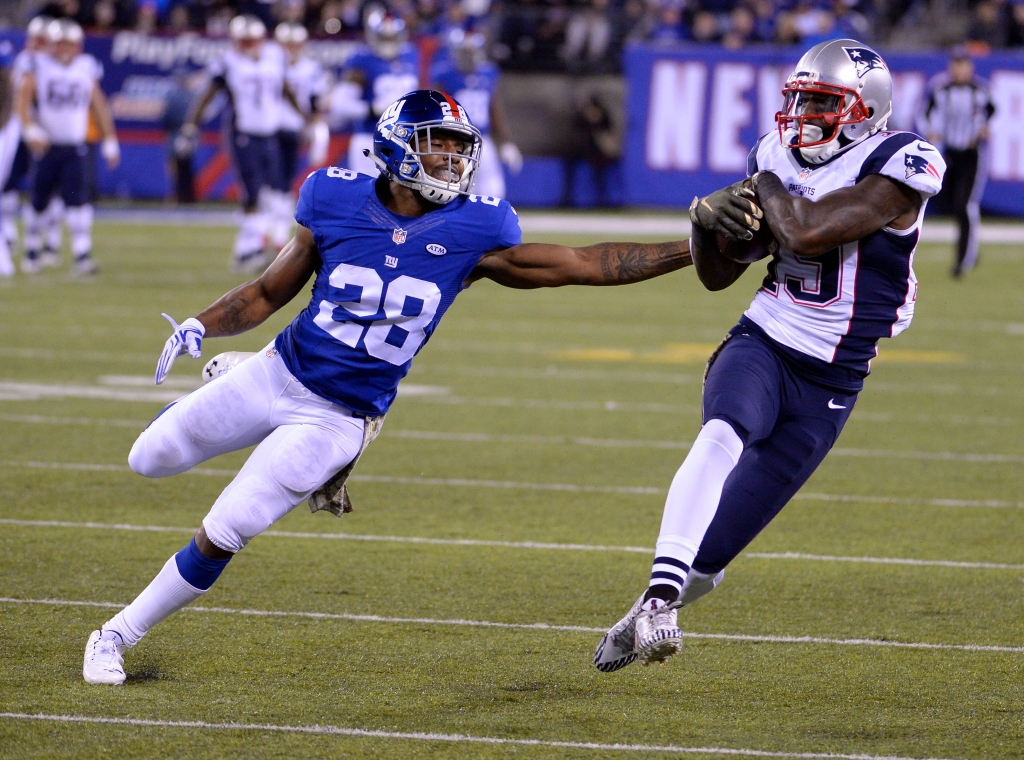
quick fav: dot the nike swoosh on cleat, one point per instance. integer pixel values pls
(833, 405)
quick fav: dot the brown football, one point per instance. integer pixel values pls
(762, 246)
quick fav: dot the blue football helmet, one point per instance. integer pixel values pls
(403, 136)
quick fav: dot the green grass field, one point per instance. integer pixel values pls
(595, 391)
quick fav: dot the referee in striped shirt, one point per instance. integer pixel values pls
(956, 116)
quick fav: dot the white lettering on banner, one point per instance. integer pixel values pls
(1007, 138)
(907, 91)
(770, 81)
(730, 113)
(675, 115)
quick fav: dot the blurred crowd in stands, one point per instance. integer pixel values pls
(581, 36)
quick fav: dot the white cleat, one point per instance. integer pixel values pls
(657, 634)
(30, 266)
(617, 648)
(103, 661)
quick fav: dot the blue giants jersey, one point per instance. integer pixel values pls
(473, 91)
(383, 285)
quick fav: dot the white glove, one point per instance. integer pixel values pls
(188, 336)
(319, 142)
(511, 157)
(111, 151)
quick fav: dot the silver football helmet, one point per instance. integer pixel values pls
(839, 93)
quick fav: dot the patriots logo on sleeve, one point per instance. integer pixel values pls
(864, 60)
(919, 165)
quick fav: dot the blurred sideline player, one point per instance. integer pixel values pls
(253, 75)
(309, 83)
(845, 200)
(10, 200)
(384, 70)
(464, 71)
(64, 86)
(390, 253)
(10, 137)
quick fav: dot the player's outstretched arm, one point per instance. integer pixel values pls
(544, 265)
(811, 228)
(715, 271)
(250, 305)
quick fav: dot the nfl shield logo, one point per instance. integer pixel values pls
(805, 173)
(398, 236)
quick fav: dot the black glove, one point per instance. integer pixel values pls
(730, 211)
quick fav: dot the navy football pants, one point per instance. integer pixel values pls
(787, 425)
(63, 168)
(258, 161)
(20, 168)
(288, 145)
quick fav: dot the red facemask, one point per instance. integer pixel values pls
(828, 121)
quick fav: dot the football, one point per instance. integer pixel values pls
(762, 246)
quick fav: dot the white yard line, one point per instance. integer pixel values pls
(509, 484)
(539, 627)
(439, 737)
(512, 544)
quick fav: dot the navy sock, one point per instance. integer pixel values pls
(198, 570)
(662, 591)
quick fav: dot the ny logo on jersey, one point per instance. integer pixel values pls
(399, 235)
(919, 165)
(864, 60)
(391, 261)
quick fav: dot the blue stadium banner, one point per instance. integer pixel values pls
(694, 112)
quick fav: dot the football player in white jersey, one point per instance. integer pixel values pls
(309, 83)
(845, 200)
(10, 200)
(252, 73)
(55, 101)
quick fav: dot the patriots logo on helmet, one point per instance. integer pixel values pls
(919, 165)
(864, 60)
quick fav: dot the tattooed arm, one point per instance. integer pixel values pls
(543, 265)
(251, 304)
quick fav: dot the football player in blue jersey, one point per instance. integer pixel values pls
(462, 69)
(845, 199)
(383, 71)
(389, 255)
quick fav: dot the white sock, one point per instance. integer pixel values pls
(698, 585)
(251, 234)
(80, 226)
(10, 205)
(164, 596)
(693, 500)
(284, 211)
(33, 224)
(52, 218)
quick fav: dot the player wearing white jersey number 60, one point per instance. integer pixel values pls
(845, 199)
(54, 104)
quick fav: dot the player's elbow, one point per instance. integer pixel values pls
(801, 240)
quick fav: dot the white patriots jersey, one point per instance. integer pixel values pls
(835, 306)
(63, 96)
(256, 87)
(307, 79)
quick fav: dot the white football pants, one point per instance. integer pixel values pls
(303, 441)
